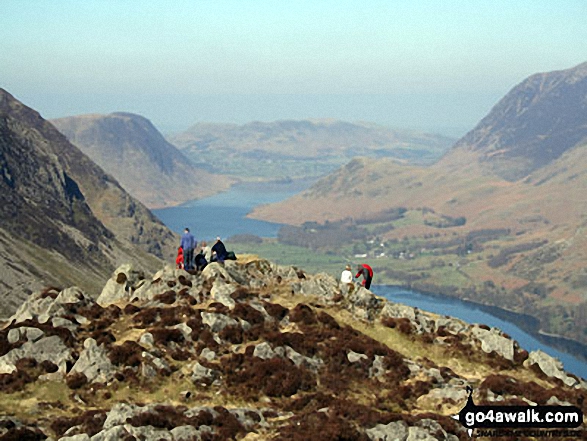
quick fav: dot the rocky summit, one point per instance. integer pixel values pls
(252, 350)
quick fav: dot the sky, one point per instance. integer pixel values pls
(436, 66)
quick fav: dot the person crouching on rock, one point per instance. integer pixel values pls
(218, 251)
(367, 272)
(179, 259)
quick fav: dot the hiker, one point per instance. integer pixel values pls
(179, 259)
(218, 251)
(206, 251)
(367, 272)
(346, 276)
(188, 243)
(200, 261)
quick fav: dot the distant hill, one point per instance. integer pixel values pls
(132, 150)
(63, 219)
(518, 180)
(302, 148)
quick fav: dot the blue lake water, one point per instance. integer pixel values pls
(225, 215)
(474, 314)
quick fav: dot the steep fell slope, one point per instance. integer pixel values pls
(534, 124)
(57, 206)
(132, 150)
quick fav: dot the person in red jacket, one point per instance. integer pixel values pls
(367, 272)
(179, 258)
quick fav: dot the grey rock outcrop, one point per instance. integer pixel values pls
(221, 292)
(43, 307)
(322, 285)
(551, 366)
(25, 333)
(94, 363)
(395, 431)
(493, 341)
(217, 322)
(46, 349)
(203, 375)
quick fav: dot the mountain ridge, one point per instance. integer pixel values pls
(58, 206)
(255, 350)
(532, 125)
(301, 148)
(130, 148)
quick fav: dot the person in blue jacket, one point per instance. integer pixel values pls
(188, 243)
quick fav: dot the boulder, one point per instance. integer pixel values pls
(118, 287)
(80, 437)
(185, 433)
(492, 341)
(551, 366)
(428, 429)
(149, 433)
(249, 418)
(364, 304)
(216, 321)
(118, 415)
(321, 284)
(46, 349)
(453, 325)
(285, 272)
(25, 333)
(115, 433)
(147, 290)
(301, 360)
(221, 292)
(94, 363)
(354, 357)
(264, 351)
(208, 354)
(395, 431)
(202, 374)
(216, 271)
(44, 308)
(421, 321)
(147, 339)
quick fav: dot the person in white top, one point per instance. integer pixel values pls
(346, 276)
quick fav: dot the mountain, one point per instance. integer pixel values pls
(131, 149)
(304, 148)
(254, 350)
(64, 220)
(499, 219)
(533, 125)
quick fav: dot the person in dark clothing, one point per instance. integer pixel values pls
(188, 243)
(200, 261)
(219, 251)
(367, 272)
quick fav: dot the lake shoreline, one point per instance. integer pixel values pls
(526, 322)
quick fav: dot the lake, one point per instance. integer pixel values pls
(224, 215)
(472, 313)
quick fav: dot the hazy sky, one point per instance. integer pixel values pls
(437, 65)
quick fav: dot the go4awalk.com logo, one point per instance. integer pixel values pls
(519, 417)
